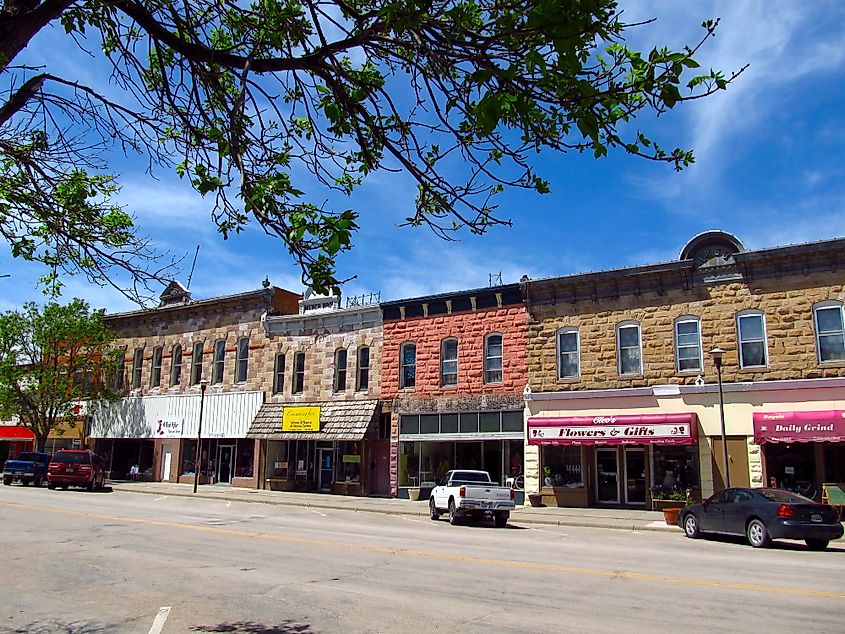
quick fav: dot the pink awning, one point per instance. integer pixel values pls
(613, 429)
(827, 426)
(16, 433)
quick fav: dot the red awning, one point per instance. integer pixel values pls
(613, 429)
(13, 433)
(827, 426)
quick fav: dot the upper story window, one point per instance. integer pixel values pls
(568, 354)
(751, 327)
(137, 363)
(362, 381)
(155, 375)
(299, 373)
(830, 331)
(219, 359)
(119, 378)
(408, 365)
(688, 344)
(242, 361)
(279, 374)
(176, 366)
(493, 358)
(196, 363)
(340, 356)
(629, 348)
(449, 362)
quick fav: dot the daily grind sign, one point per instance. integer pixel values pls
(301, 418)
(612, 430)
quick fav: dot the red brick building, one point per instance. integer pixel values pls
(453, 373)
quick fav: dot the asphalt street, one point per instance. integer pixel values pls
(75, 561)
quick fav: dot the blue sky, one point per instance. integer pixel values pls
(770, 169)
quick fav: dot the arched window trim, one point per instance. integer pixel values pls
(176, 365)
(676, 337)
(827, 305)
(155, 366)
(747, 313)
(406, 382)
(568, 330)
(501, 369)
(197, 351)
(444, 374)
(622, 325)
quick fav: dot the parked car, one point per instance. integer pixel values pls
(471, 494)
(76, 467)
(30, 466)
(762, 515)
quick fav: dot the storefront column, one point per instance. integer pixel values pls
(755, 464)
(532, 468)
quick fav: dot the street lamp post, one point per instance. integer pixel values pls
(198, 460)
(717, 353)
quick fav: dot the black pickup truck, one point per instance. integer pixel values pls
(28, 467)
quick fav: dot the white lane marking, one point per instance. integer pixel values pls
(159, 499)
(228, 504)
(160, 620)
(318, 513)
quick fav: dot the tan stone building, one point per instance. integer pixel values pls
(623, 404)
(182, 358)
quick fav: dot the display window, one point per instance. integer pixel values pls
(349, 462)
(244, 458)
(674, 470)
(562, 466)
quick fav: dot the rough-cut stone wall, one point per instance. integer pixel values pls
(787, 303)
(470, 329)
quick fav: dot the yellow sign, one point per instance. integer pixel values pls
(301, 419)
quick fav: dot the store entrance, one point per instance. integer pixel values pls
(225, 453)
(607, 476)
(635, 475)
(326, 476)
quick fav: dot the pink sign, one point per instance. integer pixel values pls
(613, 429)
(828, 426)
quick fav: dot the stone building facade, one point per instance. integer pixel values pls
(453, 374)
(629, 346)
(180, 356)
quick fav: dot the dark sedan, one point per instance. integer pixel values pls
(762, 515)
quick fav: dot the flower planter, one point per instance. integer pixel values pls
(671, 515)
(535, 499)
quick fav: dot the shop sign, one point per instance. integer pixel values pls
(351, 457)
(168, 428)
(787, 427)
(301, 418)
(617, 429)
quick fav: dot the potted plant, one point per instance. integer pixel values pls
(670, 503)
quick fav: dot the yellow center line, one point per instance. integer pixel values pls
(506, 563)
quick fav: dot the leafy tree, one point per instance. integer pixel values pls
(50, 360)
(268, 106)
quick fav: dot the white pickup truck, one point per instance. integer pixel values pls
(472, 494)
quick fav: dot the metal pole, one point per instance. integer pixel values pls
(198, 455)
(722, 417)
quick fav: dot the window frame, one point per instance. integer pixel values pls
(685, 319)
(340, 372)
(443, 361)
(242, 360)
(568, 330)
(362, 370)
(828, 305)
(218, 365)
(137, 368)
(488, 357)
(176, 365)
(196, 364)
(279, 374)
(404, 382)
(155, 366)
(298, 386)
(624, 325)
(743, 314)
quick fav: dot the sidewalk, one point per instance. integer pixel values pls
(622, 519)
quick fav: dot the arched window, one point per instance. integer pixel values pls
(408, 365)
(688, 356)
(568, 354)
(830, 331)
(751, 333)
(176, 366)
(155, 374)
(629, 348)
(219, 360)
(493, 358)
(299, 373)
(279, 374)
(449, 361)
(242, 363)
(196, 363)
(362, 382)
(340, 359)
(137, 368)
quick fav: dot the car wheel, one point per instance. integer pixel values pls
(25, 482)
(453, 512)
(817, 544)
(758, 535)
(691, 528)
(7, 481)
(433, 513)
(501, 519)
(51, 486)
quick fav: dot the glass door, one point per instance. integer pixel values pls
(634, 475)
(225, 453)
(607, 476)
(326, 469)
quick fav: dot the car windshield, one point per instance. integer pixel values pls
(71, 458)
(784, 497)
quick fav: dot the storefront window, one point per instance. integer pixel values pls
(244, 458)
(277, 459)
(674, 468)
(792, 467)
(349, 463)
(409, 464)
(189, 454)
(562, 467)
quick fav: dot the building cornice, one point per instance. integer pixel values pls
(368, 316)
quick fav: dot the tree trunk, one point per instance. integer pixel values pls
(40, 441)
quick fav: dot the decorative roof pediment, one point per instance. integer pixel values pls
(175, 293)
